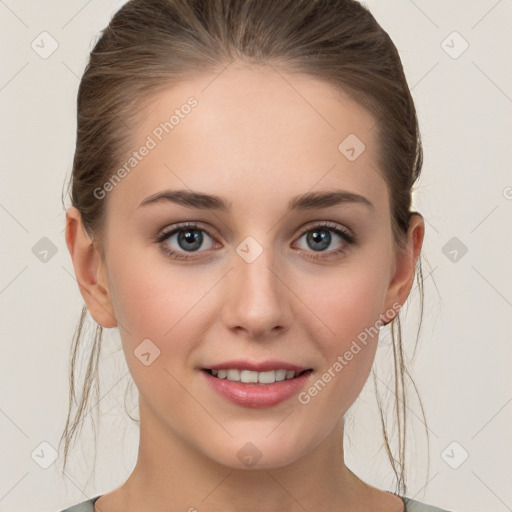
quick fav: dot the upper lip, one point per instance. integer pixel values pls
(261, 366)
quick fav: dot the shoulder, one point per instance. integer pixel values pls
(84, 506)
(411, 506)
(416, 506)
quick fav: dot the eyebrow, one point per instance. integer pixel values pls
(307, 201)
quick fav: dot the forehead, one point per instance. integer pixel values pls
(253, 131)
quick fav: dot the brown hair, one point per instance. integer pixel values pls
(151, 44)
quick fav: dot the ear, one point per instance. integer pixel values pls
(89, 270)
(405, 266)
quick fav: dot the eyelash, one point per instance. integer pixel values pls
(324, 226)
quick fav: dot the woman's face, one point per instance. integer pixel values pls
(263, 281)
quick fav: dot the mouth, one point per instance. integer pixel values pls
(256, 384)
(245, 376)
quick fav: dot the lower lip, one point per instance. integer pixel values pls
(257, 395)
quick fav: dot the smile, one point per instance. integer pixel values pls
(254, 377)
(256, 385)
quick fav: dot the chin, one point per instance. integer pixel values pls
(257, 452)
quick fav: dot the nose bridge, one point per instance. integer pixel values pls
(257, 299)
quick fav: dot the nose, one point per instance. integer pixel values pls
(258, 297)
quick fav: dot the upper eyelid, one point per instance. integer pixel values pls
(170, 230)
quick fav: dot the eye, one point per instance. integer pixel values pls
(184, 238)
(320, 237)
(181, 242)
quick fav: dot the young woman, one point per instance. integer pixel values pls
(241, 212)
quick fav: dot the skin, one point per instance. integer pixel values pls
(258, 142)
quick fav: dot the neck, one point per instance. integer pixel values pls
(171, 475)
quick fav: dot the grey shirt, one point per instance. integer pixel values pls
(410, 506)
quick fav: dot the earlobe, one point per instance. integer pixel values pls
(405, 265)
(89, 270)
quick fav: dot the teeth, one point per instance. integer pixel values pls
(267, 377)
(280, 375)
(251, 377)
(233, 375)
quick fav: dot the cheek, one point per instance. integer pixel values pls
(168, 304)
(347, 310)
(149, 296)
(346, 301)
(153, 301)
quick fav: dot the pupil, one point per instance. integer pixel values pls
(191, 236)
(321, 237)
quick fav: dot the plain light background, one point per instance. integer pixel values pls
(462, 363)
